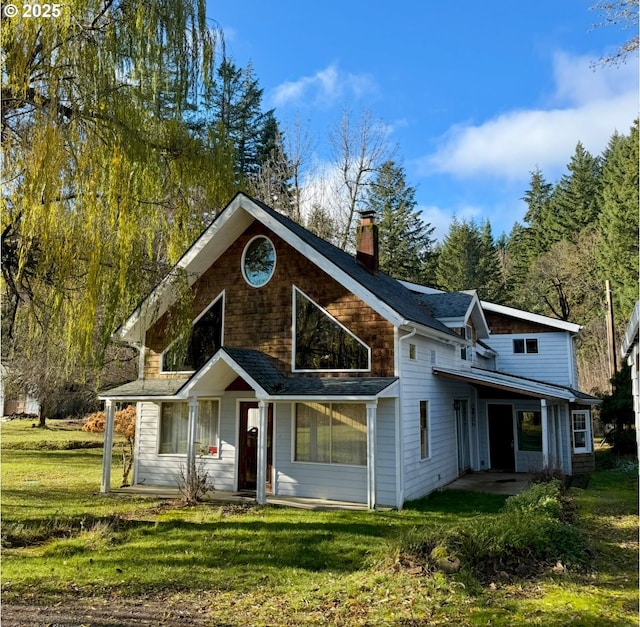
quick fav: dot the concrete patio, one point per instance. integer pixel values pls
(507, 483)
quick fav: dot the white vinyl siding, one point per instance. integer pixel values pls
(157, 469)
(553, 362)
(307, 479)
(422, 476)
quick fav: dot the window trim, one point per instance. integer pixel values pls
(525, 346)
(333, 319)
(161, 405)
(221, 295)
(578, 450)
(426, 429)
(244, 254)
(294, 436)
(207, 455)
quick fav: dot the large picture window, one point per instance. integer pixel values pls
(529, 431)
(202, 344)
(322, 343)
(174, 427)
(331, 433)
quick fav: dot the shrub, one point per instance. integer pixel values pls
(125, 425)
(544, 498)
(526, 536)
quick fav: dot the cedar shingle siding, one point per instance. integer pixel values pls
(262, 318)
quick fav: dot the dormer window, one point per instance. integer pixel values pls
(204, 342)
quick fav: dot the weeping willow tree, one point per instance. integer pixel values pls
(104, 185)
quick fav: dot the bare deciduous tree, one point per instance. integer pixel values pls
(358, 150)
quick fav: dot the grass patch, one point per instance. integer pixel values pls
(238, 565)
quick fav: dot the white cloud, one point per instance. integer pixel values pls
(326, 87)
(588, 105)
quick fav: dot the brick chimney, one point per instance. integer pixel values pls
(367, 241)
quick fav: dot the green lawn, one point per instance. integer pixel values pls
(64, 543)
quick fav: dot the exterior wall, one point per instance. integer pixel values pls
(386, 453)
(553, 363)
(582, 463)
(500, 324)
(163, 470)
(560, 450)
(338, 482)
(422, 476)
(262, 318)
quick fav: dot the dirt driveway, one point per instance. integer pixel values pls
(107, 612)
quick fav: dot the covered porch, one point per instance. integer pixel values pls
(250, 397)
(525, 425)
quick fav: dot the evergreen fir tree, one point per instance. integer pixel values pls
(619, 221)
(538, 198)
(575, 202)
(405, 240)
(459, 257)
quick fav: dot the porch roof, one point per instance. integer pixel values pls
(517, 385)
(261, 374)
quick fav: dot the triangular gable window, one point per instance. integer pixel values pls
(322, 343)
(204, 342)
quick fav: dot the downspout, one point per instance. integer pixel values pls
(399, 414)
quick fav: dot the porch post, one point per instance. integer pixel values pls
(107, 453)
(261, 475)
(372, 413)
(545, 432)
(192, 432)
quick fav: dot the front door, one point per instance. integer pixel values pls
(248, 445)
(462, 425)
(501, 437)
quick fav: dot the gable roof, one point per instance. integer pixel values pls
(520, 314)
(453, 309)
(381, 292)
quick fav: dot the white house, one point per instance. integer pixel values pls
(310, 373)
(631, 352)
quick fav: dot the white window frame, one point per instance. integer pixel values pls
(209, 454)
(200, 315)
(424, 431)
(413, 352)
(273, 269)
(185, 415)
(185, 409)
(587, 431)
(294, 438)
(326, 313)
(525, 341)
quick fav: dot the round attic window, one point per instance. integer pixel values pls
(258, 261)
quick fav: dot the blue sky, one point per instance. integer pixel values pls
(472, 95)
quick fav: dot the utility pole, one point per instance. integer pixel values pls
(611, 337)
